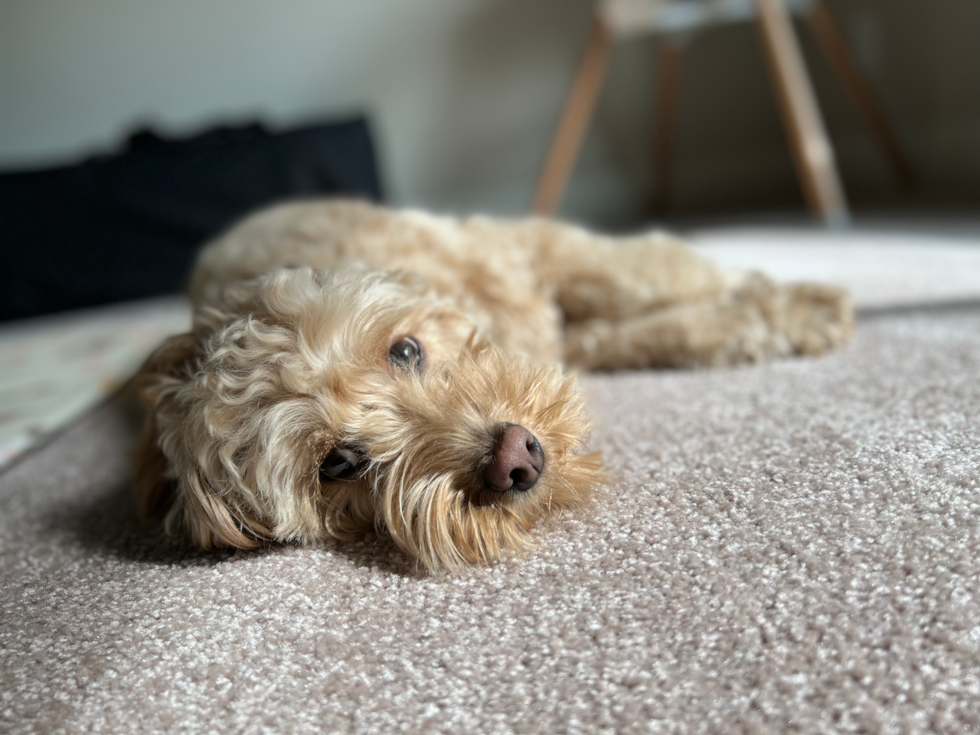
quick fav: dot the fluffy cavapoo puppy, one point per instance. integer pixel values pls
(352, 367)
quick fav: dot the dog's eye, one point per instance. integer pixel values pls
(340, 464)
(406, 353)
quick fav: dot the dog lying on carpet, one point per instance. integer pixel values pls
(352, 367)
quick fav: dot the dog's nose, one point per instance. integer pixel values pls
(517, 461)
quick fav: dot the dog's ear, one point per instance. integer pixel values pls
(170, 480)
(162, 372)
(208, 520)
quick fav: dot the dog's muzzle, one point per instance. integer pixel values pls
(516, 462)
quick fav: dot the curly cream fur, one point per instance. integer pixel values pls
(295, 312)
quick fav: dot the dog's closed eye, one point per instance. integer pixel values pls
(407, 354)
(341, 464)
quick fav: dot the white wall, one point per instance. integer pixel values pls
(464, 93)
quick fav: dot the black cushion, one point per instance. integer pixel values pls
(127, 226)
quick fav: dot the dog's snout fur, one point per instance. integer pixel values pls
(517, 461)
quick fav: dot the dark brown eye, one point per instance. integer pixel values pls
(407, 354)
(340, 464)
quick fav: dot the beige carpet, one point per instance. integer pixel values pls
(790, 548)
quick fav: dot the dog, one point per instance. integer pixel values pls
(352, 368)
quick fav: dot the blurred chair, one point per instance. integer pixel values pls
(676, 20)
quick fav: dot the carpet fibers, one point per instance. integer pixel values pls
(787, 548)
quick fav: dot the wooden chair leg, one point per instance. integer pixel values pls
(574, 121)
(834, 47)
(811, 147)
(668, 82)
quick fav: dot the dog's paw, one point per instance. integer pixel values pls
(816, 318)
(759, 321)
(807, 318)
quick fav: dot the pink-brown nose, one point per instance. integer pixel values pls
(516, 463)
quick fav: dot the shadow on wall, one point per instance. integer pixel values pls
(508, 66)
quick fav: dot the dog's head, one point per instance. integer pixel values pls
(306, 404)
